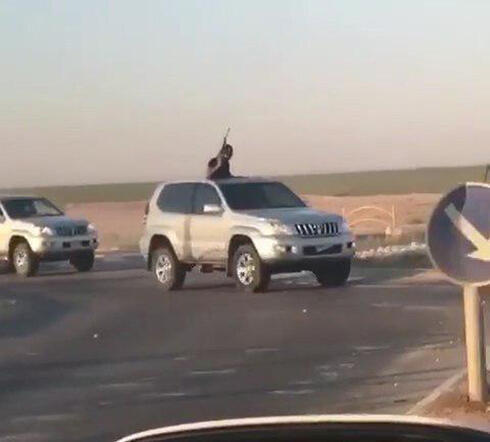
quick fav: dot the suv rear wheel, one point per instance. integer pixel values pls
(167, 269)
(24, 260)
(334, 273)
(250, 273)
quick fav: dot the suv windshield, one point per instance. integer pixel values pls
(28, 207)
(252, 196)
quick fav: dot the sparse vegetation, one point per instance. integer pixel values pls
(366, 242)
(412, 210)
(424, 180)
(415, 220)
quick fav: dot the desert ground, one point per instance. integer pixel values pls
(120, 223)
(410, 194)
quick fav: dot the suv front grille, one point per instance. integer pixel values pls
(71, 230)
(80, 230)
(324, 229)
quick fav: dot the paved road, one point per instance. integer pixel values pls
(89, 357)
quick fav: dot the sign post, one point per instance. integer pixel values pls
(475, 345)
(458, 237)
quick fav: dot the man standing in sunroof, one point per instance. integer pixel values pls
(219, 166)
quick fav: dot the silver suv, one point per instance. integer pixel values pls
(33, 229)
(248, 227)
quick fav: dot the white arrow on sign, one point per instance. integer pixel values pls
(471, 233)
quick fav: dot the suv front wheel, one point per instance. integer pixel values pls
(251, 275)
(24, 260)
(167, 269)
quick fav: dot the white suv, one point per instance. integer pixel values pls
(248, 227)
(33, 229)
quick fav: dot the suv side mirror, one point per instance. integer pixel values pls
(212, 209)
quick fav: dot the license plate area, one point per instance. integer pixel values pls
(322, 250)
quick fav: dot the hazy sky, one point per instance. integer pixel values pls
(108, 91)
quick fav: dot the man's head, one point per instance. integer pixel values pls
(227, 151)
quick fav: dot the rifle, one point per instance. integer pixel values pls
(214, 162)
(225, 141)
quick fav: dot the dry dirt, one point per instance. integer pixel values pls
(410, 211)
(454, 405)
(120, 224)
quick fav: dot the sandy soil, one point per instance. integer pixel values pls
(454, 405)
(120, 224)
(411, 211)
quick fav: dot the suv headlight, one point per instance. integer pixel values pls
(47, 231)
(344, 226)
(280, 228)
(91, 229)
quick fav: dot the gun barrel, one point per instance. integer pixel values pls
(225, 137)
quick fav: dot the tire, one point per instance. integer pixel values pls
(250, 273)
(83, 261)
(168, 271)
(9, 265)
(333, 274)
(24, 260)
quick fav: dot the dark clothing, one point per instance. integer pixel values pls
(218, 168)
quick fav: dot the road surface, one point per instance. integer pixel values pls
(91, 357)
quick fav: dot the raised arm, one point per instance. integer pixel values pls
(214, 164)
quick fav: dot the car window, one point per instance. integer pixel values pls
(30, 207)
(2, 216)
(253, 196)
(176, 198)
(205, 194)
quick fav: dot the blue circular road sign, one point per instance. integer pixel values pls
(458, 234)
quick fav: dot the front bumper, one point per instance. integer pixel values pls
(295, 249)
(59, 247)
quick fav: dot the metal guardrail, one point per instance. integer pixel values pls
(390, 222)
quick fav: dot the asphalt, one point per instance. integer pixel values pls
(91, 357)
